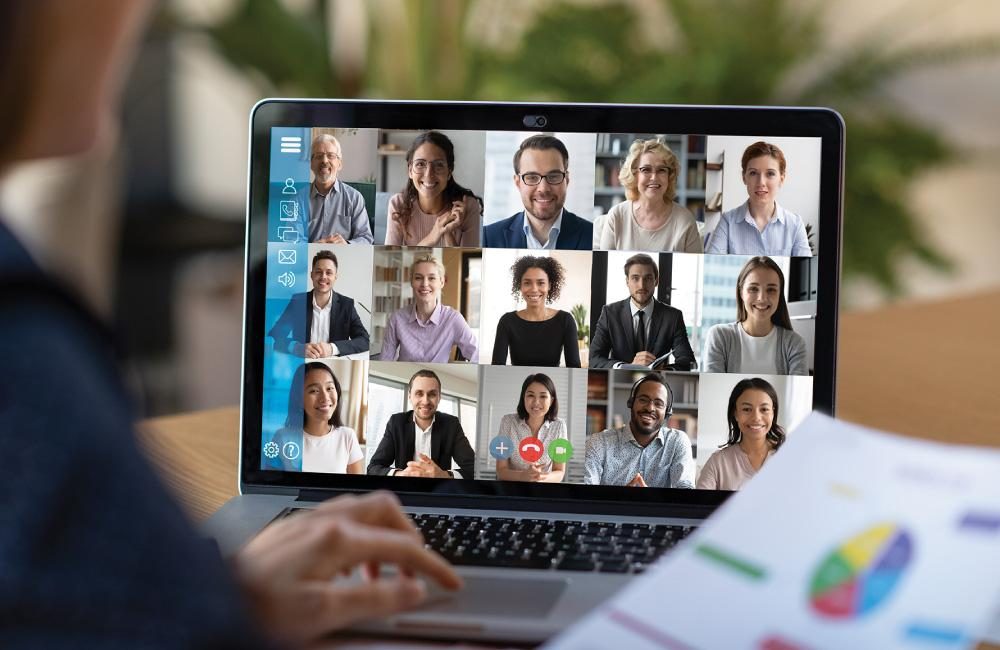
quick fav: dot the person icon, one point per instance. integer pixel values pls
(289, 186)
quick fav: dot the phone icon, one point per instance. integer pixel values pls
(289, 211)
(530, 449)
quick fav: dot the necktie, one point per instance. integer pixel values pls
(640, 334)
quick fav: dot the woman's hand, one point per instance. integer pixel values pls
(449, 222)
(293, 572)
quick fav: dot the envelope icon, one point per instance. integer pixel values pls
(286, 256)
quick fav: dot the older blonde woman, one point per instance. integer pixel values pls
(649, 219)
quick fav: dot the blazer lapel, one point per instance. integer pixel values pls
(517, 238)
(436, 442)
(309, 316)
(657, 345)
(409, 446)
(334, 314)
(626, 321)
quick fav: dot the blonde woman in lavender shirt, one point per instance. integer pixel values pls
(426, 330)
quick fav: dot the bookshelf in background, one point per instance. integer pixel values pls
(612, 148)
(390, 288)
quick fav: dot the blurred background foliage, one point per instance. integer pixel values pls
(754, 52)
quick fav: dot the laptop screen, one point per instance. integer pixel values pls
(535, 307)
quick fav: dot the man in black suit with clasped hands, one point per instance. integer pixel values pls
(423, 442)
(640, 329)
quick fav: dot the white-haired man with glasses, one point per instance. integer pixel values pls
(337, 213)
(541, 175)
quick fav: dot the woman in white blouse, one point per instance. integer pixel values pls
(649, 219)
(323, 441)
(537, 417)
(754, 436)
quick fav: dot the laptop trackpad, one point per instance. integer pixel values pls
(495, 596)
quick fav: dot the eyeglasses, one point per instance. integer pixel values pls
(420, 165)
(646, 170)
(534, 178)
(325, 156)
(642, 401)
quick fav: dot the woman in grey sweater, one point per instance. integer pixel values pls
(762, 339)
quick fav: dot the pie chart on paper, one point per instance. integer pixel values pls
(861, 573)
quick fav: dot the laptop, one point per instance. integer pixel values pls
(525, 321)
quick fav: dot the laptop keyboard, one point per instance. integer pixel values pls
(546, 544)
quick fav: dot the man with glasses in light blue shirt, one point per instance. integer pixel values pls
(646, 452)
(541, 175)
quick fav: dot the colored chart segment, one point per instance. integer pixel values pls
(860, 574)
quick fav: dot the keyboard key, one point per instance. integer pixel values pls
(568, 564)
(619, 566)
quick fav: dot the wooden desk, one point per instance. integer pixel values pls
(928, 370)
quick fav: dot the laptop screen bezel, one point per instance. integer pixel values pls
(482, 116)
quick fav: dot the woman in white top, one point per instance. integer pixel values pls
(433, 209)
(649, 219)
(754, 435)
(536, 417)
(324, 443)
(762, 339)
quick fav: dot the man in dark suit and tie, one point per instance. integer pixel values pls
(320, 323)
(541, 174)
(640, 329)
(423, 442)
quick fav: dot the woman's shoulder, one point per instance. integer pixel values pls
(402, 312)
(564, 317)
(344, 432)
(510, 419)
(736, 213)
(620, 210)
(724, 329)
(790, 216)
(681, 212)
(790, 335)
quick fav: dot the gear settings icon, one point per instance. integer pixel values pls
(271, 449)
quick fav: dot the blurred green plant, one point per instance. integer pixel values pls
(752, 52)
(580, 316)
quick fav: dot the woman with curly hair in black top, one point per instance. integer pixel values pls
(537, 335)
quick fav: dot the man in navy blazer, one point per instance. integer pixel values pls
(541, 174)
(617, 338)
(423, 442)
(320, 323)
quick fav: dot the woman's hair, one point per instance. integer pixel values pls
(630, 168)
(780, 316)
(761, 148)
(452, 190)
(544, 380)
(552, 268)
(776, 436)
(427, 258)
(296, 414)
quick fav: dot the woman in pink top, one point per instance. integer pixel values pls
(433, 209)
(754, 434)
